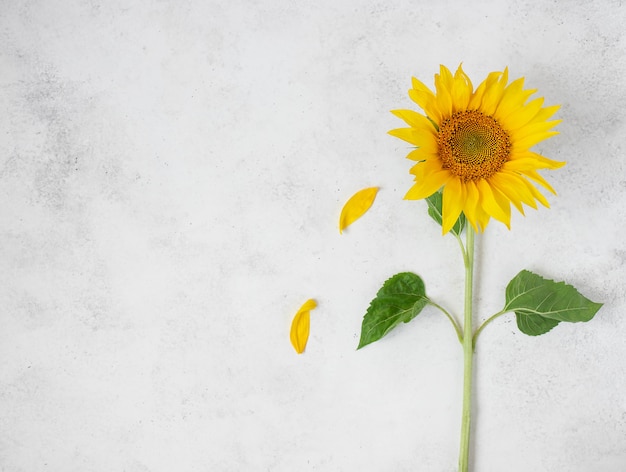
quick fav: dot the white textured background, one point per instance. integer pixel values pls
(171, 174)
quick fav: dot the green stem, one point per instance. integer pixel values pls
(460, 241)
(468, 349)
(451, 318)
(487, 321)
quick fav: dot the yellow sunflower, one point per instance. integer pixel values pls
(475, 144)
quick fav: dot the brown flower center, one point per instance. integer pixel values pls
(472, 145)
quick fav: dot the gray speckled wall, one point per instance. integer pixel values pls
(171, 174)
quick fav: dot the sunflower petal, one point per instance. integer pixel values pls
(529, 141)
(423, 140)
(494, 202)
(520, 184)
(512, 98)
(423, 169)
(522, 116)
(426, 186)
(505, 204)
(453, 201)
(532, 128)
(356, 207)
(536, 193)
(419, 86)
(531, 160)
(415, 120)
(443, 85)
(426, 99)
(421, 154)
(482, 217)
(534, 175)
(510, 188)
(477, 97)
(301, 325)
(511, 103)
(405, 134)
(461, 90)
(545, 113)
(493, 94)
(472, 204)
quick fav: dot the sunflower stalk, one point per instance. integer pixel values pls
(468, 350)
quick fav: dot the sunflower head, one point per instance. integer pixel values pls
(474, 145)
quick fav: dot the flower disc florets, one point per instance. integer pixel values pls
(472, 146)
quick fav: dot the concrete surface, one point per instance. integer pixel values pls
(171, 175)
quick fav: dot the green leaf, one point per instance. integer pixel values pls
(400, 299)
(435, 205)
(540, 304)
(534, 325)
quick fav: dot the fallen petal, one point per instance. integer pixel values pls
(301, 325)
(356, 207)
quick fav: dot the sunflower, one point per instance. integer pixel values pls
(475, 145)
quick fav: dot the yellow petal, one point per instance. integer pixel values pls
(536, 193)
(522, 116)
(526, 143)
(461, 91)
(454, 196)
(545, 113)
(424, 169)
(419, 86)
(534, 175)
(531, 160)
(482, 217)
(477, 96)
(521, 186)
(356, 207)
(533, 128)
(513, 99)
(494, 203)
(443, 85)
(426, 99)
(510, 187)
(493, 94)
(428, 184)
(472, 204)
(425, 141)
(416, 136)
(406, 134)
(421, 154)
(301, 325)
(415, 120)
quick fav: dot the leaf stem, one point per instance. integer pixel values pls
(468, 349)
(460, 241)
(485, 323)
(451, 318)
